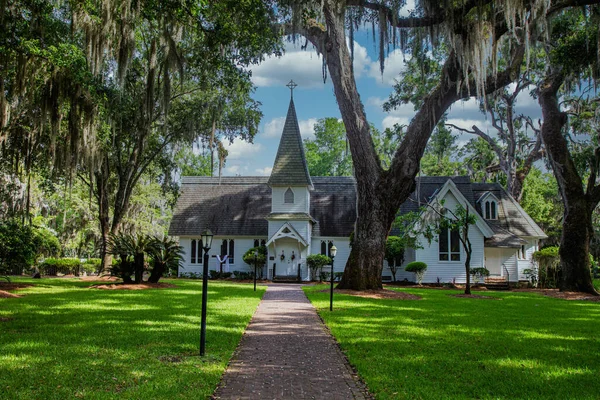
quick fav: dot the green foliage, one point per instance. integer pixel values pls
(91, 265)
(167, 256)
(327, 154)
(243, 275)
(480, 273)
(316, 262)
(213, 274)
(542, 202)
(18, 247)
(261, 258)
(419, 268)
(548, 272)
(416, 266)
(54, 266)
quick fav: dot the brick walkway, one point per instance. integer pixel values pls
(286, 353)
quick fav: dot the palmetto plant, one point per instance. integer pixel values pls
(131, 250)
(166, 255)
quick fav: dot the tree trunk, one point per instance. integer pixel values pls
(380, 193)
(577, 225)
(138, 262)
(157, 272)
(104, 219)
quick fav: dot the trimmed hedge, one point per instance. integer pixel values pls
(415, 266)
(53, 266)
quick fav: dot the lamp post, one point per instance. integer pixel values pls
(332, 253)
(255, 262)
(207, 238)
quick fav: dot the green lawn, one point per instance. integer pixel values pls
(523, 346)
(63, 340)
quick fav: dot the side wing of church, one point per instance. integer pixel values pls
(290, 213)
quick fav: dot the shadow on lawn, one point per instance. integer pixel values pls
(526, 346)
(71, 341)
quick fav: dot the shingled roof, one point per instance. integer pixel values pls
(512, 223)
(240, 206)
(290, 168)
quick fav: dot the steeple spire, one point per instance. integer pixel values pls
(290, 167)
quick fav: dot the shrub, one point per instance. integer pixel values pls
(17, 248)
(243, 275)
(338, 276)
(549, 266)
(316, 262)
(324, 276)
(212, 274)
(261, 259)
(418, 268)
(53, 266)
(480, 273)
(91, 265)
(167, 256)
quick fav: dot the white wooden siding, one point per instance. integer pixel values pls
(498, 258)
(301, 200)
(343, 250)
(302, 227)
(527, 263)
(401, 274)
(241, 245)
(448, 271)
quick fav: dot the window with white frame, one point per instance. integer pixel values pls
(196, 252)
(259, 242)
(288, 196)
(449, 245)
(522, 253)
(491, 210)
(227, 249)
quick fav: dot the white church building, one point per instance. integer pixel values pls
(295, 215)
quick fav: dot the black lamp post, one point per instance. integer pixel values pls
(255, 262)
(332, 253)
(207, 238)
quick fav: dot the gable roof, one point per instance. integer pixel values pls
(241, 206)
(511, 215)
(290, 168)
(512, 223)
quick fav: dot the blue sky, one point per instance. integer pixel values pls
(314, 99)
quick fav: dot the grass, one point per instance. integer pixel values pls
(64, 340)
(524, 346)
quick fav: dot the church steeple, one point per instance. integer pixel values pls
(290, 168)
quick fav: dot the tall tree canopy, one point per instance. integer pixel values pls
(471, 30)
(103, 90)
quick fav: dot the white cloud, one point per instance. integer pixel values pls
(232, 170)
(390, 121)
(239, 149)
(274, 128)
(482, 124)
(303, 66)
(362, 61)
(394, 65)
(266, 171)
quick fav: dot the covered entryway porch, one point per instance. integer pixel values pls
(287, 255)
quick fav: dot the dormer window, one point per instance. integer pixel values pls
(288, 197)
(491, 210)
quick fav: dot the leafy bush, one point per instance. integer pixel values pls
(167, 256)
(91, 265)
(212, 274)
(243, 275)
(324, 276)
(18, 247)
(419, 268)
(53, 266)
(261, 259)
(549, 266)
(338, 276)
(316, 262)
(480, 273)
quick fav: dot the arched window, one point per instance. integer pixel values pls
(193, 255)
(288, 197)
(491, 210)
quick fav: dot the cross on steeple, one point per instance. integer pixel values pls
(292, 85)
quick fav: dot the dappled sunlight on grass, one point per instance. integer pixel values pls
(65, 340)
(525, 347)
